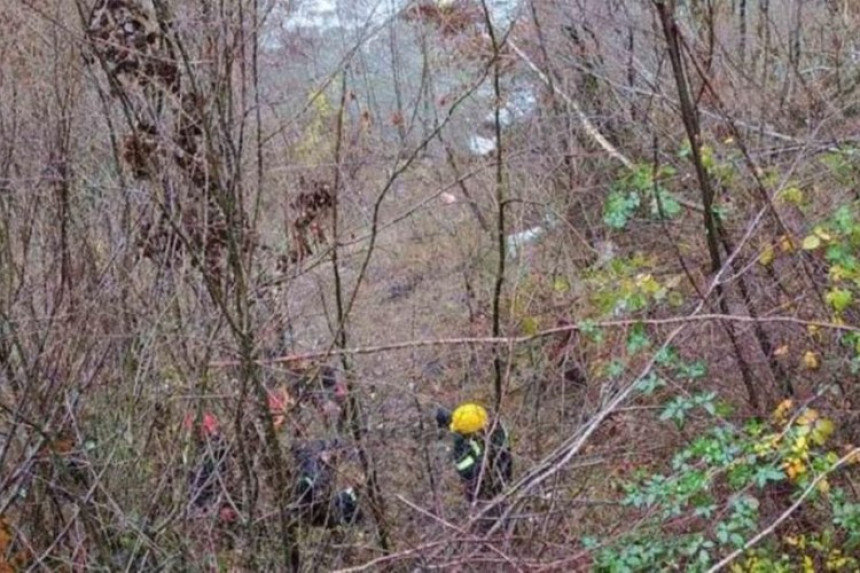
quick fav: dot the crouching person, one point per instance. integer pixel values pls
(314, 500)
(205, 481)
(481, 454)
(209, 486)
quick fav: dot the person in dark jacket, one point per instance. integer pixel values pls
(313, 497)
(204, 481)
(209, 486)
(481, 453)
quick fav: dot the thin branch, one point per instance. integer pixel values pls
(500, 203)
(489, 340)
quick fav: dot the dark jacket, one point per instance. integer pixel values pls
(469, 457)
(204, 481)
(313, 497)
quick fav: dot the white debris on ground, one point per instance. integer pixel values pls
(520, 106)
(481, 146)
(515, 242)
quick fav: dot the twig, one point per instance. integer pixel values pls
(489, 340)
(375, 564)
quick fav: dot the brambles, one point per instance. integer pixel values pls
(713, 498)
(626, 286)
(838, 239)
(641, 186)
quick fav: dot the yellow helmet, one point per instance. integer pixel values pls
(468, 418)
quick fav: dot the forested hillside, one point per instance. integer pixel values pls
(534, 285)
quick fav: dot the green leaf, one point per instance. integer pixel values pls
(667, 355)
(844, 219)
(619, 208)
(706, 402)
(839, 299)
(724, 409)
(615, 369)
(721, 211)
(671, 207)
(530, 326)
(707, 155)
(675, 299)
(811, 242)
(650, 383)
(667, 171)
(765, 474)
(676, 410)
(638, 339)
(822, 431)
(693, 370)
(837, 253)
(589, 329)
(705, 511)
(791, 195)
